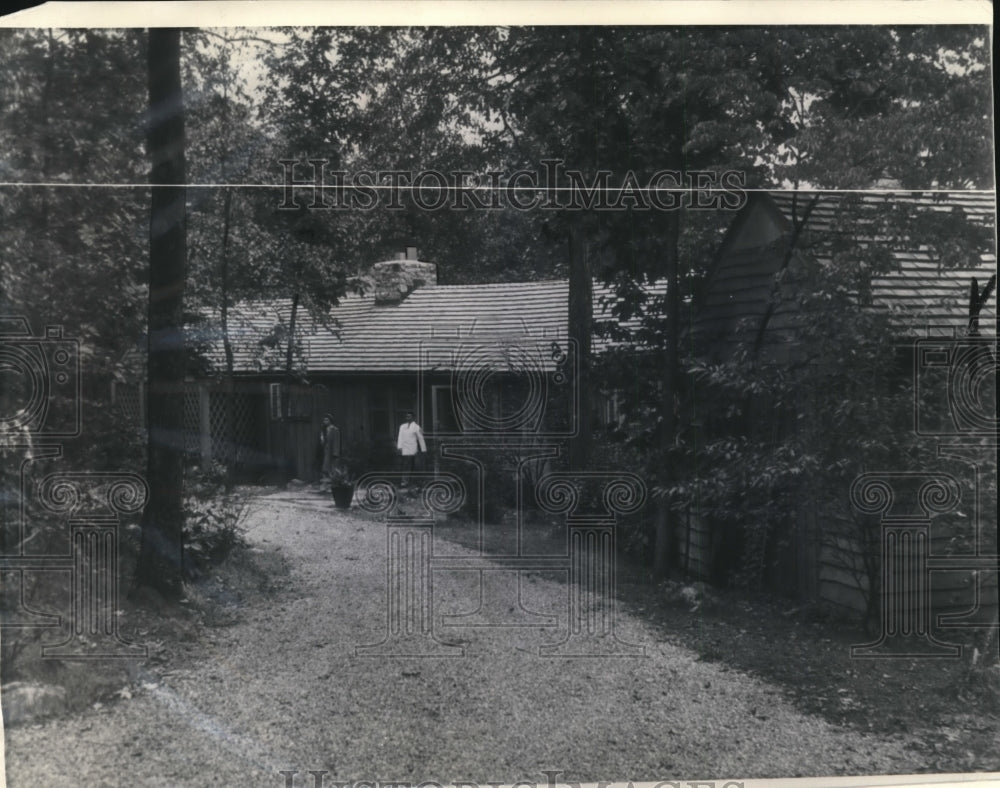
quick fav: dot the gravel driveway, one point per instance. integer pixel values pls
(282, 689)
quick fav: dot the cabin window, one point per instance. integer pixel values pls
(291, 403)
(442, 416)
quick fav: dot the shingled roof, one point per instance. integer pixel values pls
(436, 324)
(430, 326)
(921, 297)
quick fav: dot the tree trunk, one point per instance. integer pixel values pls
(229, 384)
(663, 547)
(290, 351)
(160, 559)
(289, 464)
(581, 312)
(227, 344)
(798, 227)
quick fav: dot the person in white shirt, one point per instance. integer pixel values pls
(409, 444)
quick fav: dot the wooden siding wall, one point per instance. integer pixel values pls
(367, 411)
(843, 587)
(294, 442)
(276, 448)
(693, 538)
(831, 570)
(703, 553)
(730, 312)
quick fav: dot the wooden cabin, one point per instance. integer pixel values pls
(751, 296)
(471, 360)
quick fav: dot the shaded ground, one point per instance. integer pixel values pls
(260, 674)
(952, 713)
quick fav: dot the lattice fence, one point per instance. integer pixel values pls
(128, 403)
(192, 423)
(129, 406)
(243, 424)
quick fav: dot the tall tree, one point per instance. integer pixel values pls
(629, 100)
(69, 103)
(160, 559)
(224, 146)
(864, 109)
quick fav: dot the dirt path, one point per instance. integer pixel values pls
(282, 689)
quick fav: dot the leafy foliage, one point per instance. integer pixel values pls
(213, 520)
(779, 430)
(788, 106)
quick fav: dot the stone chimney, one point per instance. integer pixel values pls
(396, 279)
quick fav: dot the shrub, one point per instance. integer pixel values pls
(212, 520)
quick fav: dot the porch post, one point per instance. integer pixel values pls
(205, 426)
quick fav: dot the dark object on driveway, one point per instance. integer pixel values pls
(343, 479)
(343, 494)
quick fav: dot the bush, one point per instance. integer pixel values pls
(635, 531)
(500, 482)
(212, 520)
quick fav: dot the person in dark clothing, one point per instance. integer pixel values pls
(329, 438)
